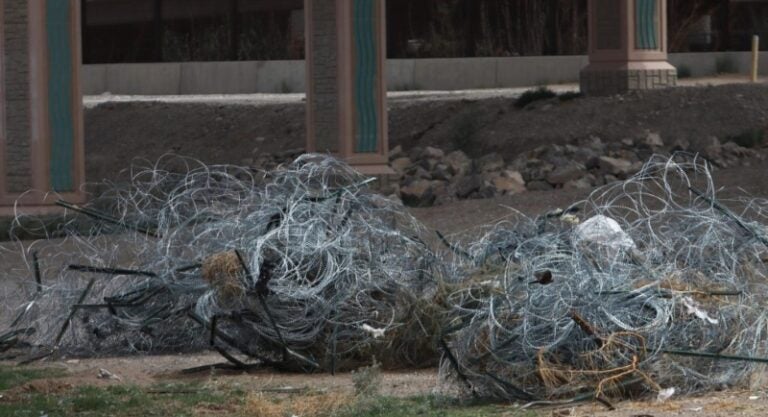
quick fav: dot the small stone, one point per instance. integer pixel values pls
(415, 153)
(507, 185)
(441, 172)
(628, 142)
(680, 145)
(432, 153)
(260, 139)
(400, 165)
(538, 185)
(428, 163)
(563, 174)
(468, 185)
(609, 179)
(615, 166)
(418, 194)
(490, 162)
(247, 162)
(458, 163)
(396, 152)
(583, 183)
(653, 140)
(420, 172)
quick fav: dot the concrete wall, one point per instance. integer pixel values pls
(403, 74)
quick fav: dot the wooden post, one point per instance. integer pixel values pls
(755, 56)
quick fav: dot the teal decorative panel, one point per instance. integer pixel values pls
(364, 28)
(60, 77)
(646, 24)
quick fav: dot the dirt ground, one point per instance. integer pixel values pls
(231, 131)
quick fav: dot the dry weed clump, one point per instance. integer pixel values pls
(314, 405)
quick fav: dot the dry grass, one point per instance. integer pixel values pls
(317, 405)
(224, 272)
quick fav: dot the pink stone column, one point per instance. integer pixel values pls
(41, 117)
(346, 83)
(627, 47)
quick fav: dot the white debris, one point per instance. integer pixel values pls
(105, 374)
(374, 332)
(693, 308)
(604, 231)
(665, 394)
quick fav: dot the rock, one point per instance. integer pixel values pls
(441, 172)
(419, 193)
(609, 179)
(538, 185)
(712, 148)
(247, 162)
(566, 173)
(490, 162)
(400, 165)
(506, 185)
(628, 142)
(443, 193)
(583, 183)
(420, 173)
(653, 140)
(680, 145)
(432, 153)
(415, 153)
(458, 163)
(396, 152)
(593, 163)
(615, 166)
(428, 163)
(468, 185)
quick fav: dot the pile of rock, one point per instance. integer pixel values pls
(429, 176)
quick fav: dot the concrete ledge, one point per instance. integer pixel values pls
(402, 74)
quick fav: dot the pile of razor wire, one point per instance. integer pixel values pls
(654, 285)
(303, 267)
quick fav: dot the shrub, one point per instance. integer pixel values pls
(751, 138)
(725, 65)
(530, 96)
(683, 71)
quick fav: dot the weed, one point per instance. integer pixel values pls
(684, 71)
(570, 95)
(313, 405)
(530, 96)
(367, 380)
(725, 65)
(285, 87)
(751, 138)
(464, 128)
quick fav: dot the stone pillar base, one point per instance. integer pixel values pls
(602, 79)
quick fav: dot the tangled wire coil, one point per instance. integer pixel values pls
(303, 268)
(659, 269)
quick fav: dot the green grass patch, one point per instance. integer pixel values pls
(193, 399)
(125, 401)
(11, 377)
